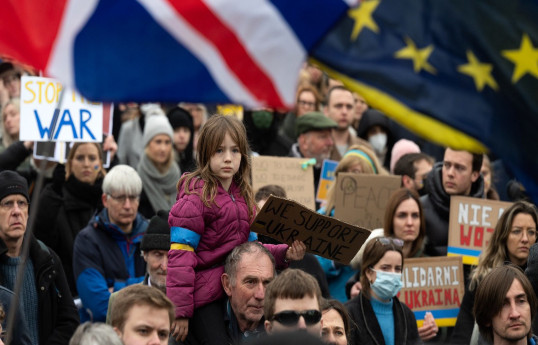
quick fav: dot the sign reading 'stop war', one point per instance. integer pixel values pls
(471, 225)
(433, 285)
(286, 220)
(77, 120)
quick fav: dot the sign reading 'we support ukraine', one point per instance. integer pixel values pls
(77, 120)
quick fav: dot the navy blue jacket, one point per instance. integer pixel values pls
(105, 259)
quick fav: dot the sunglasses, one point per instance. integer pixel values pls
(387, 241)
(291, 317)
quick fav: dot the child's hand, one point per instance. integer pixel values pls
(429, 329)
(296, 251)
(180, 328)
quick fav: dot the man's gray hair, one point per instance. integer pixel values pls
(237, 253)
(95, 334)
(122, 179)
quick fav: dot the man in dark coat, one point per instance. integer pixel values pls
(49, 311)
(458, 174)
(239, 316)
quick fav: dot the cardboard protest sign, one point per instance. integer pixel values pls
(288, 173)
(361, 198)
(433, 284)
(326, 179)
(77, 120)
(60, 150)
(471, 225)
(286, 220)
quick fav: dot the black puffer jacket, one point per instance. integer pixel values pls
(58, 316)
(367, 331)
(61, 217)
(436, 205)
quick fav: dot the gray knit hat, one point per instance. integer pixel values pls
(157, 236)
(155, 125)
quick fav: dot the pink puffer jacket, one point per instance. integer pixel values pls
(206, 236)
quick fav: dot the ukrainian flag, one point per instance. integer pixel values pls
(460, 73)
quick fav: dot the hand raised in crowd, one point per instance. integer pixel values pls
(429, 329)
(355, 290)
(296, 251)
(110, 145)
(180, 328)
(28, 144)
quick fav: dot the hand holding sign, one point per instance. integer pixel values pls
(296, 251)
(429, 328)
(433, 285)
(287, 221)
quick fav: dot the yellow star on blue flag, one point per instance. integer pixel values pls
(525, 59)
(479, 71)
(460, 73)
(418, 56)
(362, 15)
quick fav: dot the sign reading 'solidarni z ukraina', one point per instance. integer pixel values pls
(286, 220)
(433, 285)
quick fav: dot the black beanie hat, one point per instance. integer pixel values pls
(157, 235)
(179, 117)
(13, 183)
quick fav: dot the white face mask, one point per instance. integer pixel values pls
(378, 142)
(386, 284)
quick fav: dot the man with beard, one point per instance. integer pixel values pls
(504, 306)
(314, 140)
(155, 245)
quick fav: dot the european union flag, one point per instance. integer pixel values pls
(458, 72)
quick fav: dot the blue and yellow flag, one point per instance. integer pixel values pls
(460, 73)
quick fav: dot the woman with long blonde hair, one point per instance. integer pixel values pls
(512, 238)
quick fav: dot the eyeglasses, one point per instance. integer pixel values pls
(519, 232)
(387, 241)
(10, 204)
(291, 317)
(122, 198)
(306, 104)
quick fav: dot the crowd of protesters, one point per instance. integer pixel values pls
(158, 245)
